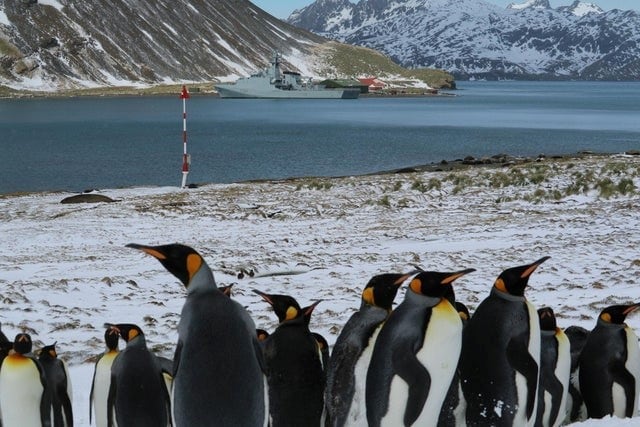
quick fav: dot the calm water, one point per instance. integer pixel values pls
(81, 143)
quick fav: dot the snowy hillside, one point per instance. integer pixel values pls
(475, 38)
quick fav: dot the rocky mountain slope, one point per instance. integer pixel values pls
(474, 38)
(60, 44)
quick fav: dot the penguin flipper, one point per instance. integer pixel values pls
(93, 383)
(45, 401)
(66, 407)
(408, 367)
(167, 397)
(111, 399)
(176, 358)
(523, 362)
(623, 377)
(555, 389)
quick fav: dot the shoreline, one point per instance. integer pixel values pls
(468, 162)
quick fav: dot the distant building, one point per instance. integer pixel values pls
(373, 83)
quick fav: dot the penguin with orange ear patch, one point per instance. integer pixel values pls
(610, 365)
(555, 371)
(500, 361)
(137, 393)
(23, 387)
(58, 386)
(293, 367)
(216, 339)
(349, 361)
(416, 354)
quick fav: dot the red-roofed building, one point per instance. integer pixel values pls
(374, 84)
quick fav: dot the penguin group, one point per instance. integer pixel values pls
(35, 387)
(428, 361)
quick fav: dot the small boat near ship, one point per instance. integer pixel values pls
(272, 82)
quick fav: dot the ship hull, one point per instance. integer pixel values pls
(231, 91)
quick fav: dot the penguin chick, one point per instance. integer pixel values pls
(137, 393)
(58, 386)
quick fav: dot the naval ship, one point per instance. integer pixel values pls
(272, 82)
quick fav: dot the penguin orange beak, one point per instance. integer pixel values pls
(402, 279)
(310, 309)
(631, 309)
(148, 249)
(447, 280)
(532, 267)
(264, 296)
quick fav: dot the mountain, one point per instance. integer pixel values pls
(62, 44)
(474, 38)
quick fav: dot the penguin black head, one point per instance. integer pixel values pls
(22, 344)
(180, 260)
(111, 337)
(547, 319)
(514, 280)
(322, 342)
(382, 289)
(48, 352)
(616, 314)
(463, 311)
(262, 334)
(434, 283)
(128, 331)
(285, 307)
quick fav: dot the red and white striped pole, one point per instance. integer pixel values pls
(186, 160)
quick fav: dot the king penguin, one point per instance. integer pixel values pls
(349, 361)
(610, 365)
(137, 393)
(416, 354)
(58, 386)
(576, 411)
(555, 371)
(499, 366)
(102, 377)
(23, 387)
(216, 340)
(293, 366)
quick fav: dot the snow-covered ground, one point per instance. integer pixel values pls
(65, 271)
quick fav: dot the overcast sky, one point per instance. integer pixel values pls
(283, 8)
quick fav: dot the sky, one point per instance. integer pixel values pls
(283, 8)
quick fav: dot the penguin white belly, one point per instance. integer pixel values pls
(563, 373)
(633, 366)
(20, 392)
(357, 416)
(439, 355)
(101, 389)
(520, 418)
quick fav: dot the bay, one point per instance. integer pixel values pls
(75, 144)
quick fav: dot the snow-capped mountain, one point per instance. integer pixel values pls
(57, 44)
(475, 38)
